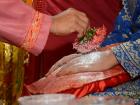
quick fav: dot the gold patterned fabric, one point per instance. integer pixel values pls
(33, 32)
(28, 2)
(11, 73)
(12, 61)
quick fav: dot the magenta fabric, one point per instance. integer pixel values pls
(16, 18)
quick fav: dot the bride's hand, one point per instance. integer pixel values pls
(95, 61)
(61, 62)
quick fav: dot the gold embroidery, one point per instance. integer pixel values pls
(126, 17)
(33, 32)
(29, 2)
(138, 19)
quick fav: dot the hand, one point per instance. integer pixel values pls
(92, 62)
(61, 62)
(71, 20)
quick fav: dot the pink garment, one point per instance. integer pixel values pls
(23, 26)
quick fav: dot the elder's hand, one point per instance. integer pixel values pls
(71, 20)
(92, 62)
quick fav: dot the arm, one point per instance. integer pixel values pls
(128, 55)
(26, 28)
(121, 31)
(23, 26)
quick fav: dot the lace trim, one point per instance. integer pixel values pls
(33, 32)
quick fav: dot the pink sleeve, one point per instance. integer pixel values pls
(22, 26)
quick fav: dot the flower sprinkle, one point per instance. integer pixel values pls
(91, 40)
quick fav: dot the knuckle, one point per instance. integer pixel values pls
(71, 9)
(84, 14)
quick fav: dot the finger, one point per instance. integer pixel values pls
(80, 35)
(70, 69)
(84, 24)
(84, 19)
(66, 70)
(80, 13)
(62, 62)
(79, 28)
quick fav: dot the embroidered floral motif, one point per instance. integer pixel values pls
(138, 19)
(129, 89)
(127, 16)
(129, 57)
(33, 32)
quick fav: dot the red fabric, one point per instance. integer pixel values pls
(98, 86)
(74, 84)
(99, 11)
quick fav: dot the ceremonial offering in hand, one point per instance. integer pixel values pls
(91, 40)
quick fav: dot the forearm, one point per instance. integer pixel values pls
(23, 26)
(128, 55)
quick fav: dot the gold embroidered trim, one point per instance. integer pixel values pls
(29, 2)
(33, 32)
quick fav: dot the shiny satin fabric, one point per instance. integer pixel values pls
(11, 73)
(79, 84)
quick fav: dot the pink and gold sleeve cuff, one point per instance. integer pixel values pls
(37, 34)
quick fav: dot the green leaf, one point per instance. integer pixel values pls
(88, 36)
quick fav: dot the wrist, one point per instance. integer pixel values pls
(52, 28)
(112, 57)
